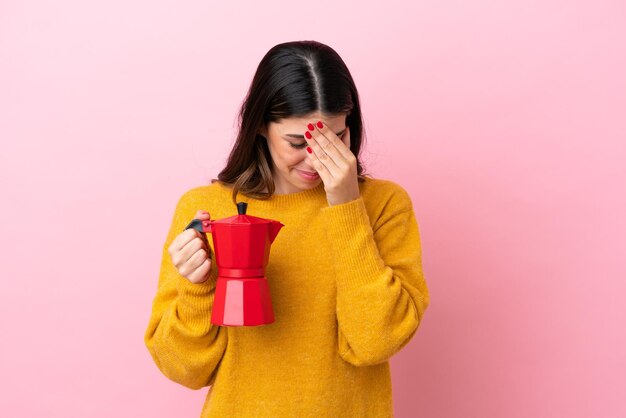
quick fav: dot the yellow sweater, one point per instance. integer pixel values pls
(348, 292)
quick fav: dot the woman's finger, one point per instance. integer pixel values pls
(333, 139)
(323, 149)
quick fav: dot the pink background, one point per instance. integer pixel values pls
(505, 120)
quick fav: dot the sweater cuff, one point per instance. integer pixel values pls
(350, 238)
(195, 300)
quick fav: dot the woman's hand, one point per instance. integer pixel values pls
(190, 253)
(334, 162)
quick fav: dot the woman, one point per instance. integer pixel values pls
(345, 274)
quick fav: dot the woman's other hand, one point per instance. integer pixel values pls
(332, 159)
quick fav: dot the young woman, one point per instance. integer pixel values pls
(345, 273)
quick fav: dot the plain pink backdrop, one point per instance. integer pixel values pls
(505, 120)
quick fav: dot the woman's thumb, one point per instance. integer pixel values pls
(202, 214)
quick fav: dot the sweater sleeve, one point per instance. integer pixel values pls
(381, 291)
(183, 343)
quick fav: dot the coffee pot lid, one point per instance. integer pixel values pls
(242, 218)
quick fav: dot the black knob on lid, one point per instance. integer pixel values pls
(242, 207)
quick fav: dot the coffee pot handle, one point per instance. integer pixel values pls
(200, 226)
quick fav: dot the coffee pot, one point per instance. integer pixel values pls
(242, 249)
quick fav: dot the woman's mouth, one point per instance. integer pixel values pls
(308, 176)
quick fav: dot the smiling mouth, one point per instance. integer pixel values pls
(306, 172)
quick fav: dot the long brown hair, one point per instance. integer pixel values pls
(293, 79)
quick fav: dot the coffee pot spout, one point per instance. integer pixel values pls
(274, 228)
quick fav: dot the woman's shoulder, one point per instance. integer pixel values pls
(379, 183)
(212, 193)
(385, 192)
(383, 188)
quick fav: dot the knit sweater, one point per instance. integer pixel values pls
(347, 290)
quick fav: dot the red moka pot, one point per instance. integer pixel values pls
(242, 249)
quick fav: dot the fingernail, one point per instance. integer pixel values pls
(319, 124)
(309, 150)
(308, 134)
(311, 127)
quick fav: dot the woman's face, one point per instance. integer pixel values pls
(287, 146)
